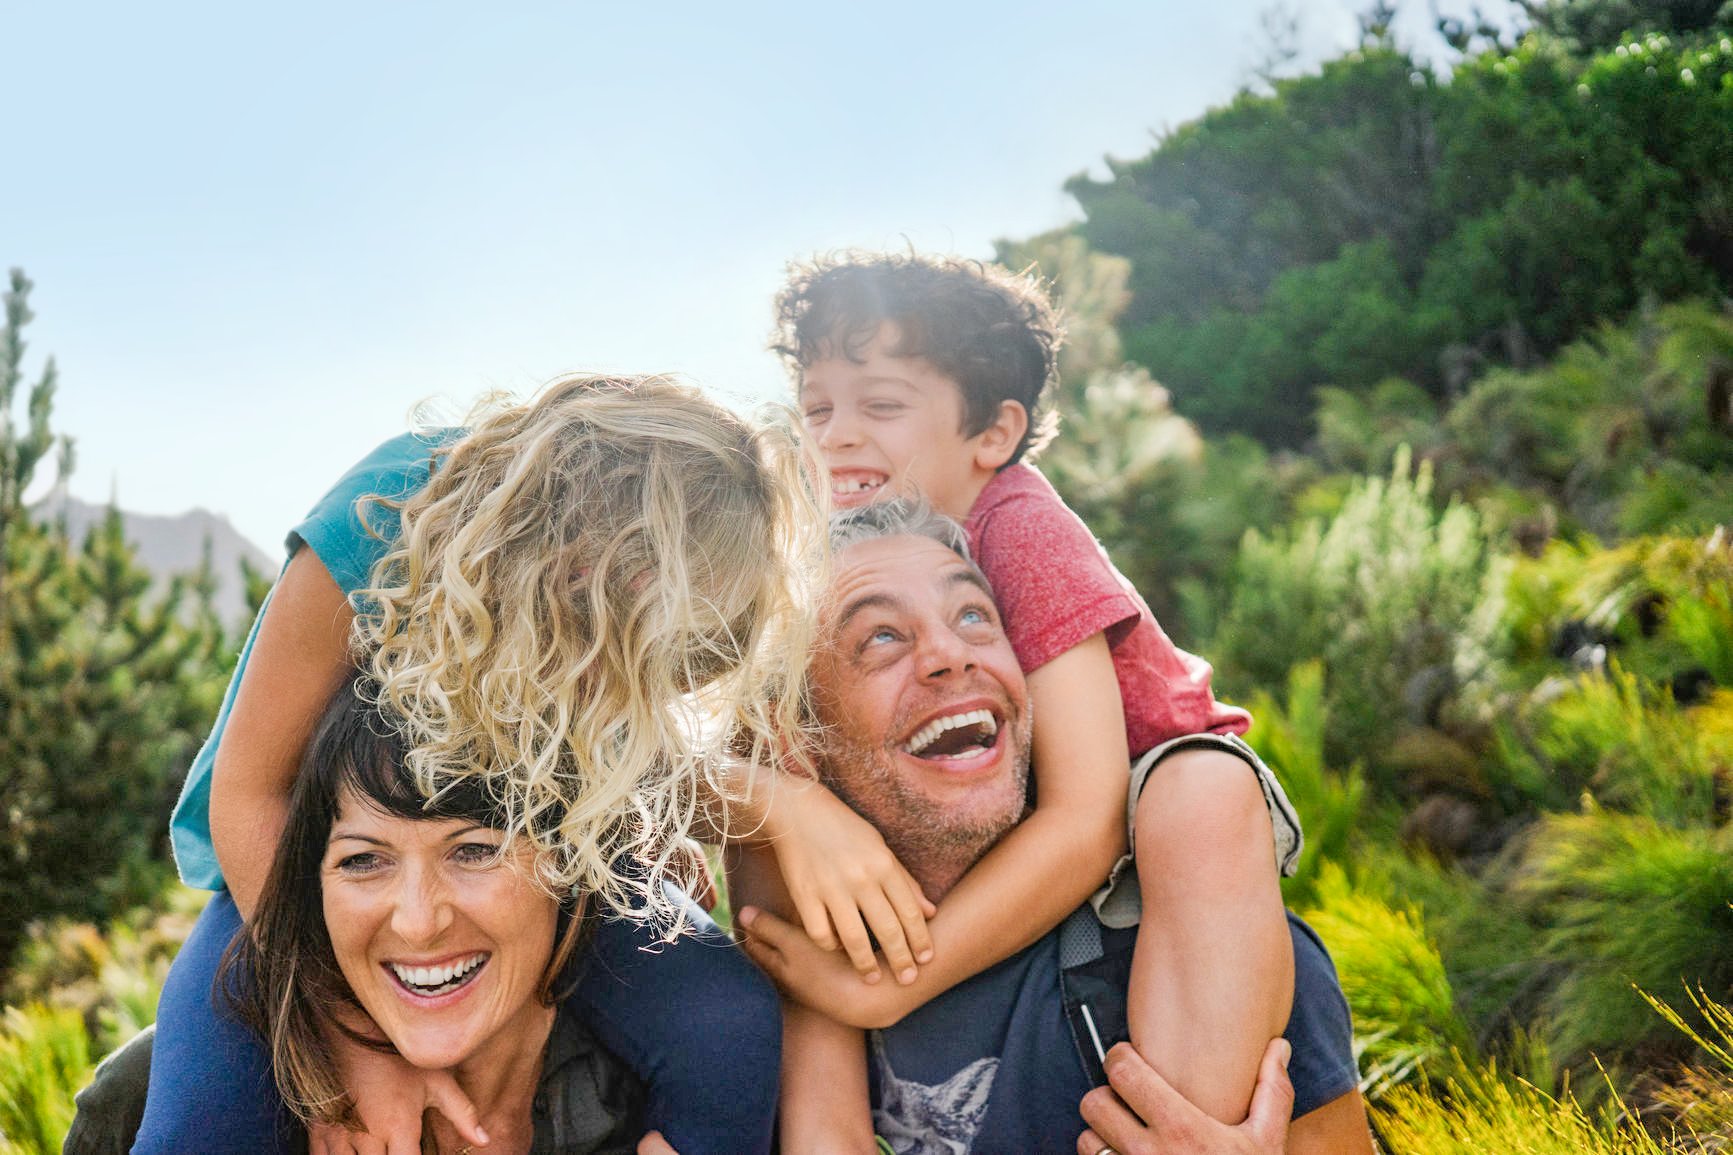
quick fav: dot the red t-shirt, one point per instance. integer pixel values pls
(1056, 587)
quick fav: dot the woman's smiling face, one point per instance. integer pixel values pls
(444, 941)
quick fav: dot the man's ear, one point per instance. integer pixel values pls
(996, 443)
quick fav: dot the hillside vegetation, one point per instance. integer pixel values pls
(1404, 392)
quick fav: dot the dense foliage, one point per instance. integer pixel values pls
(1443, 487)
(104, 691)
(1473, 568)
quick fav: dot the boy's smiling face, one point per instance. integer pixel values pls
(888, 425)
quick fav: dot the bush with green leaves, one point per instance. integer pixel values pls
(1290, 737)
(1384, 594)
(1619, 739)
(44, 1060)
(1623, 902)
(107, 690)
(1405, 1017)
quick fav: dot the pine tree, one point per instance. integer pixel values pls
(104, 689)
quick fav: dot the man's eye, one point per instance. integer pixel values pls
(974, 617)
(881, 635)
(476, 854)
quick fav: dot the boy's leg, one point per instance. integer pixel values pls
(697, 1022)
(210, 1077)
(1213, 972)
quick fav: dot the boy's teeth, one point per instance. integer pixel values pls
(929, 733)
(845, 486)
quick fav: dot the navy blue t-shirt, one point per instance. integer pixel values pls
(991, 1066)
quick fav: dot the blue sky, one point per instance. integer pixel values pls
(261, 234)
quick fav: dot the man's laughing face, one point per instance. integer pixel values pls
(925, 710)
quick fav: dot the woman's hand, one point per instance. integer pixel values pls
(843, 880)
(654, 1144)
(820, 979)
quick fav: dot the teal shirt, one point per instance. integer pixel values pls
(336, 534)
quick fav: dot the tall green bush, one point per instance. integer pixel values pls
(44, 1060)
(1384, 594)
(107, 691)
(1625, 903)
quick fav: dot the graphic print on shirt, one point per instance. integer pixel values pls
(942, 1119)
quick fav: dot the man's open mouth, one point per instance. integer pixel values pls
(962, 735)
(439, 980)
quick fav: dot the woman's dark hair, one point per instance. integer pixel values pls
(995, 333)
(281, 977)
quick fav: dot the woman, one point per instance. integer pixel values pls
(413, 927)
(553, 601)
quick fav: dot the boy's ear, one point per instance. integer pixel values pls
(995, 444)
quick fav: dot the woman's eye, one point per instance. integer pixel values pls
(974, 617)
(364, 863)
(476, 854)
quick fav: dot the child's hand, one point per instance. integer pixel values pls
(820, 979)
(843, 880)
(391, 1097)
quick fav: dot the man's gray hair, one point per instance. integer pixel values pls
(901, 517)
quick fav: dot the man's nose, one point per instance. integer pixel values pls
(943, 653)
(423, 908)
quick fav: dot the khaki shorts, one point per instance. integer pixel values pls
(1120, 902)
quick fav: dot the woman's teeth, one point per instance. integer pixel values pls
(430, 980)
(938, 727)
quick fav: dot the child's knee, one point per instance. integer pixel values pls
(1202, 801)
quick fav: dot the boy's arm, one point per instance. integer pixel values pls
(1025, 886)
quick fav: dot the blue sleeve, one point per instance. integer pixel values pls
(697, 1022)
(1320, 1030)
(335, 532)
(350, 535)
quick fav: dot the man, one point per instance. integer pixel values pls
(1000, 1062)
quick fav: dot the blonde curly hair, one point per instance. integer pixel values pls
(600, 605)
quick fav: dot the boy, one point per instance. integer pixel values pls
(923, 375)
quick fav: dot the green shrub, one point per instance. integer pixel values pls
(1405, 1017)
(1479, 1111)
(44, 1060)
(1290, 738)
(1384, 594)
(1625, 902)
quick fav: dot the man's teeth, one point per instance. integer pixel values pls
(843, 486)
(930, 733)
(437, 976)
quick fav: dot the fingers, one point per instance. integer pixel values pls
(1089, 1143)
(887, 926)
(1140, 1089)
(654, 1144)
(912, 911)
(446, 1097)
(764, 933)
(1273, 1099)
(815, 919)
(845, 916)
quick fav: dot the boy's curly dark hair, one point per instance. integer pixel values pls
(994, 332)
